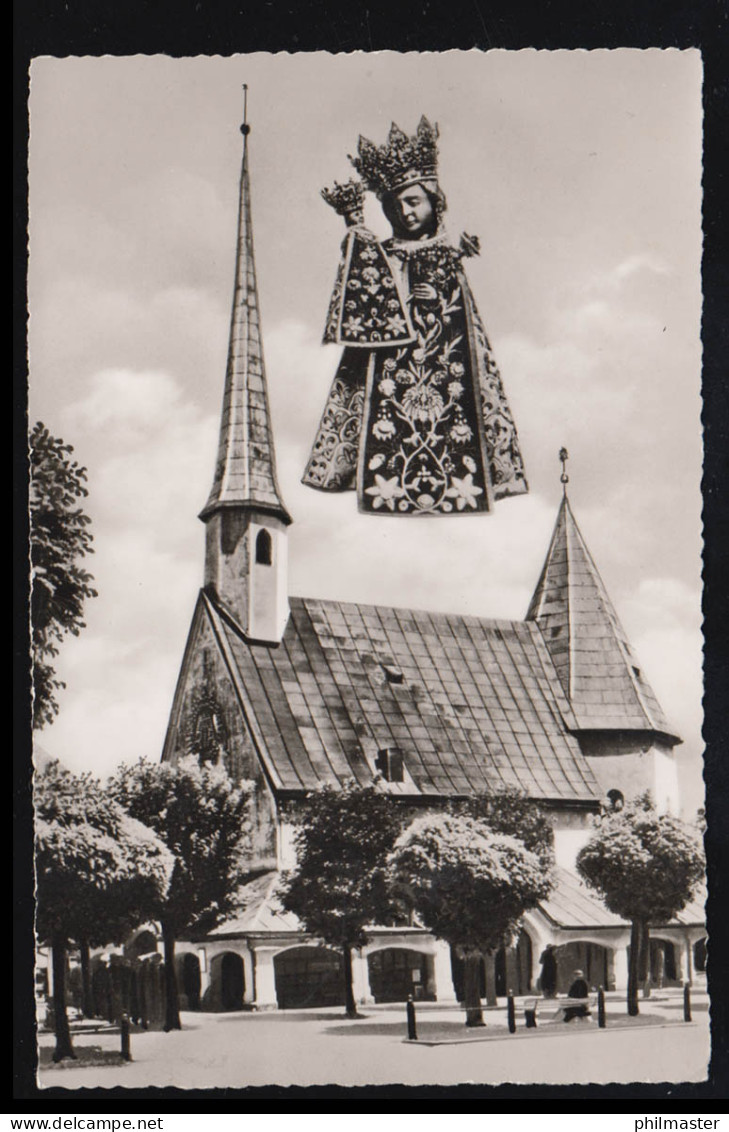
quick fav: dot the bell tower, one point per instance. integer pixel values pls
(245, 518)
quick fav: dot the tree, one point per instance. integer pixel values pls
(510, 810)
(469, 886)
(59, 537)
(339, 886)
(94, 865)
(204, 820)
(645, 866)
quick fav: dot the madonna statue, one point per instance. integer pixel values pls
(416, 419)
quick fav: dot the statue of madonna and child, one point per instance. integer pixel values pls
(416, 419)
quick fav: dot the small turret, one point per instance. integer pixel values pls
(616, 711)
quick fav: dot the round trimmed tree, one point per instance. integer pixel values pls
(469, 886)
(646, 867)
(96, 869)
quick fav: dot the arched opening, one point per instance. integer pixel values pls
(580, 955)
(232, 982)
(397, 972)
(700, 953)
(308, 976)
(663, 969)
(227, 982)
(264, 548)
(142, 944)
(189, 981)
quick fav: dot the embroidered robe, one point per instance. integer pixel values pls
(416, 419)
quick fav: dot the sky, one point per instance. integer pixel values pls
(581, 173)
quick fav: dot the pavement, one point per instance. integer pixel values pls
(320, 1047)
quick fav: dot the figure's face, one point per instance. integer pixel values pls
(414, 212)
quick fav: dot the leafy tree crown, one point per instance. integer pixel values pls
(59, 538)
(511, 811)
(98, 871)
(204, 819)
(468, 884)
(342, 840)
(645, 865)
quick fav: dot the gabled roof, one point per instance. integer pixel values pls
(589, 647)
(245, 471)
(472, 704)
(260, 911)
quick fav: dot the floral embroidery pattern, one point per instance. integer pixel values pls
(366, 307)
(333, 461)
(423, 447)
(433, 421)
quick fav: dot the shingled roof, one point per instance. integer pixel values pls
(571, 904)
(589, 647)
(472, 704)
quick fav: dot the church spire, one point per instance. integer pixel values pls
(589, 647)
(245, 518)
(245, 471)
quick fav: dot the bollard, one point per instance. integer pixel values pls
(125, 1043)
(601, 1008)
(686, 1002)
(412, 1030)
(510, 1013)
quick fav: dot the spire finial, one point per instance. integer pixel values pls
(245, 128)
(564, 479)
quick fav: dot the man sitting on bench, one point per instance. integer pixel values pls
(578, 989)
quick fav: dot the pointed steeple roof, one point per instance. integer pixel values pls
(589, 647)
(245, 471)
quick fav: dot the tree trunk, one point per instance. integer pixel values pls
(88, 1005)
(489, 963)
(645, 960)
(172, 1002)
(472, 989)
(636, 931)
(60, 1015)
(350, 1006)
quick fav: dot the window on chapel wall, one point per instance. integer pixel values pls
(264, 548)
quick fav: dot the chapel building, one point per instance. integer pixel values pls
(295, 693)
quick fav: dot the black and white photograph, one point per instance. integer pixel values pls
(365, 540)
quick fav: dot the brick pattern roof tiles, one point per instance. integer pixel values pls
(245, 471)
(472, 704)
(588, 645)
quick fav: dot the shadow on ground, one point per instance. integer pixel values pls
(86, 1056)
(448, 1032)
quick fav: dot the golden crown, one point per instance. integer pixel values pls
(346, 198)
(401, 161)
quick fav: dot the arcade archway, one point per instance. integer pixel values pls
(308, 976)
(395, 973)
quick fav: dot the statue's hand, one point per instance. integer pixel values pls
(423, 292)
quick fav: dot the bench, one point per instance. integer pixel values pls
(531, 1009)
